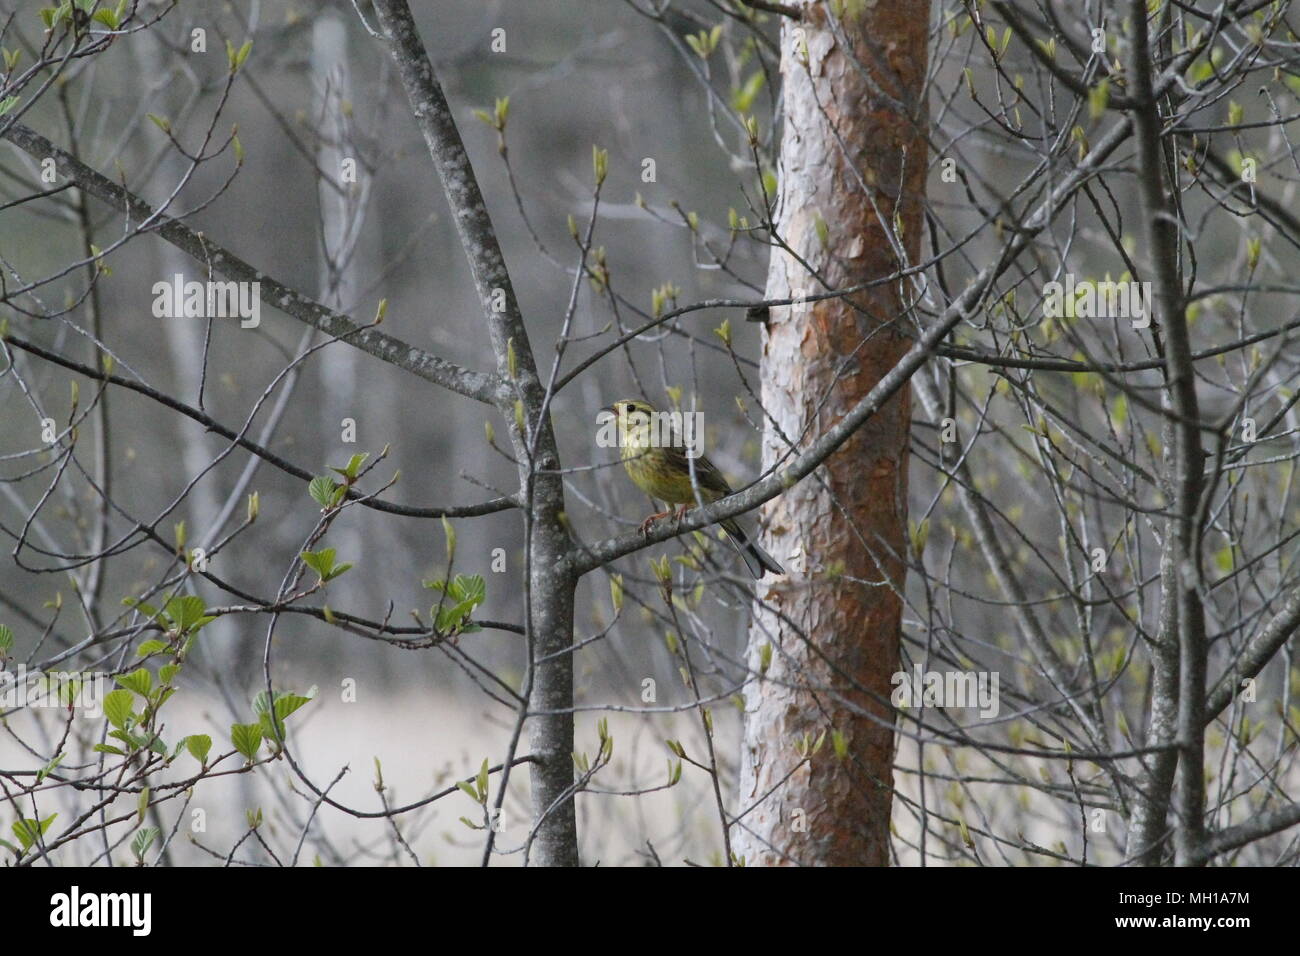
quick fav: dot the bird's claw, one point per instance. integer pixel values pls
(649, 522)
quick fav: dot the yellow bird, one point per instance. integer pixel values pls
(655, 458)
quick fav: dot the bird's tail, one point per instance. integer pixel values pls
(756, 559)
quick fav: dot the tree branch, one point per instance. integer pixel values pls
(782, 9)
(1253, 829)
(1259, 650)
(476, 385)
(288, 467)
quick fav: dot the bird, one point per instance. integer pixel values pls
(655, 459)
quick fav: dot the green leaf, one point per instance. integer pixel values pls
(286, 704)
(468, 789)
(272, 728)
(743, 97)
(321, 561)
(445, 620)
(465, 592)
(1099, 99)
(7, 104)
(470, 588)
(140, 681)
(247, 739)
(449, 533)
(6, 640)
(337, 571)
(353, 467)
(49, 768)
(117, 708)
(166, 673)
(29, 831)
(107, 749)
(324, 490)
(151, 647)
(143, 840)
(147, 610)
(198, 745)
(186, 612)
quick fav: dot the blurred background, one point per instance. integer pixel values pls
(318, 90)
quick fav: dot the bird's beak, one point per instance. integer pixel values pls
(611, 409)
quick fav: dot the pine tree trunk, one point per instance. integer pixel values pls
(853, 157)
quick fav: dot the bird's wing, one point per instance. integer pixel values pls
(706, 473)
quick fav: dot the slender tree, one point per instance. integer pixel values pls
(818, 746)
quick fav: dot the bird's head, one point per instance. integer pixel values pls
(633, 415)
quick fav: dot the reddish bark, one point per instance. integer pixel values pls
(844, 146)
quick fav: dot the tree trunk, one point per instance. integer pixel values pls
(554, 840)
(853, 155)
